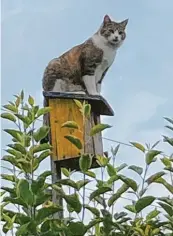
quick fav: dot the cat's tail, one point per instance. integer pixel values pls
(45, 122)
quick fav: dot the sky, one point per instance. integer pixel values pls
(139, 84)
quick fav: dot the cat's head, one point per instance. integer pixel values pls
(113, 32)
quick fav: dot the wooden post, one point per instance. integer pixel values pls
(56, 175)
(64, 109)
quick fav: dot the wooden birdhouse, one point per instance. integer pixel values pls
(63, 109)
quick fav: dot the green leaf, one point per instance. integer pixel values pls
(22, 229)
(156, 232)
(77, 228)
(18, 147)
(78, 103)
(143, 203)
(38, 184)
(40, 147)
(18, 101)
(168, 140)
(11, 108)
(31, 100)
(138, 146)
(15, 134)
(99, 191)
(67, 182)
(130, 182)
(25, 119)
(90, 174)
(166, 162)
(70, 124)
(22, 95)
(11, 160)
(42, 198)
(102, 161)
(111, 170)
(45, 212)
(150, 155)
(139, 231)
(118, 194)
(11, 178)
(43, 156)
(2, 193)
(169, 120)
(152, 214)
(9, 222)
(8, 116)
(24, 192)
(113, 179)
(45, 174)
(65, 172)
(100, 200)
(82, 183)
(169, 127)
(98, 128)
(167, 208)
(94, 222)
(41, 133)
(121, 167)
(13, 200)
(85, 162)
(73, 201)
(87, 110)
(35, 165)
(74, 140)
(43, 111)
(9, 190)
(130, 208)
(93, 210)
(155, 144)
(154, 177)
(115, 150)
(137, 169)
(14, 153)
(120, 215)
(165, 183)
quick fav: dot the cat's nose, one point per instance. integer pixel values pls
(116, 39)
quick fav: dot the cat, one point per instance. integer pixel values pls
(82, 69)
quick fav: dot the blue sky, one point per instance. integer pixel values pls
(139, 83)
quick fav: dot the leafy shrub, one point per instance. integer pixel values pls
(31, 195)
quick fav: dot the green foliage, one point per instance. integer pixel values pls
(74, 140)
(31, 195)
(98, 128)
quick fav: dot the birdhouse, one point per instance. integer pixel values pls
(63, 109)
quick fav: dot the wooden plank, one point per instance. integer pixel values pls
(56, 175)
(64, 110)
(89, 142)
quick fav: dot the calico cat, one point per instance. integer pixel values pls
(83, 68)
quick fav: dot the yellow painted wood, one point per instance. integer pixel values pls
(64, 110)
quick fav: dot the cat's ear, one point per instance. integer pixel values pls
(107, 19)
(124, 23)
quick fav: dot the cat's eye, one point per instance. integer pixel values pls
(120, 32)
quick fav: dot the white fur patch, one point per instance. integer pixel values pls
(60, 86)
(109, 54)
(90, 84)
